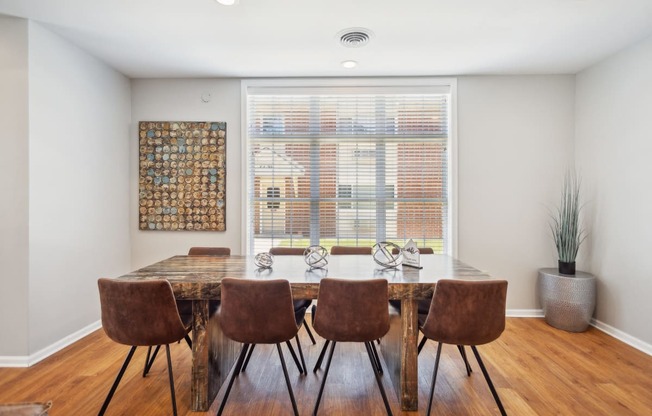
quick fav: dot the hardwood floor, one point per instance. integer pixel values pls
(537, 370)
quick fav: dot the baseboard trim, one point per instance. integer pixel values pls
(622, 336)
(525, 313)
(14, 361)
(27, 361)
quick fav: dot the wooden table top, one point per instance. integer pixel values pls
(198, 277)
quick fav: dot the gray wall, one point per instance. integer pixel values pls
(64, 193)
(13, 187)
(515, 140)
(613, 149)
(79, 116)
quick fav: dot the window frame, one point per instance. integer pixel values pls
(383, 84)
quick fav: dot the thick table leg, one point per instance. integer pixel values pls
(399, 348)
(213, 355)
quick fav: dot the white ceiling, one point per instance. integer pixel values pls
(256, 38)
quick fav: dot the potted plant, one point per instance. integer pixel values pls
(567, 231)
(567, 297)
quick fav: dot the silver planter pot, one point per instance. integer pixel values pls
(568, 301)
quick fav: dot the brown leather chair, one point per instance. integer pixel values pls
(209, 251)
(352, 311)
(466, 312)
(257, 312)
(140, 313)
(347, 250)
(287, 251)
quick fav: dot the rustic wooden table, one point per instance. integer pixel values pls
(197, 278)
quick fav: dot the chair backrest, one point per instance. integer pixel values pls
(466, 312)
(344, 250)
(140, 312)
(209, 251)
(257, 311)
(422, 250)
(287, 251)
(352, 310)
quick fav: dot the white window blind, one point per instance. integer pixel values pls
(347, 166)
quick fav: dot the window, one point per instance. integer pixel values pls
(348, 166)
(273, 192)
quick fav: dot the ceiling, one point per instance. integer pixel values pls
(290, 38)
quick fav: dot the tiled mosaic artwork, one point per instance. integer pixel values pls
(182, 183)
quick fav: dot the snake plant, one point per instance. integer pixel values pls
(565, 225)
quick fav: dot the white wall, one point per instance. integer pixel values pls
(79, 115)
(515, 139)
(613, 149)
(13, 187)
(180, 99)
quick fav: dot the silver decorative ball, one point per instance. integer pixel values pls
(382, 254)
(264, 260)
(316, 257)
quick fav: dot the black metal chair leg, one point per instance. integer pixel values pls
(174, 399)
(303, 362)
(421, 344)
(491, 385)
(312, 338)
(323, 382)
(321, 356)
(246, 361)
(370, 347)
(149, 352)
(188, 341)
(379, 367)
(434, 377)
(236, 371)
(294, 357)
(469, 370)
(287, 378)
(150, 360)
(117, 381)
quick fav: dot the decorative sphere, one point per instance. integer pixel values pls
(316, 257)
(264, 260)
(382, 254)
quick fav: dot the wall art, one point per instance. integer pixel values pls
(182, 181)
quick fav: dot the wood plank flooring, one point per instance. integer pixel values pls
(537, 370)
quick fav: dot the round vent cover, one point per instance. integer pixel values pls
(354, 37)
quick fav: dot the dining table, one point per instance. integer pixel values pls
(198, 278)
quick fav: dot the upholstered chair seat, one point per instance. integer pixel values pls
(257, 312)
(352, 311)
(140, 313)
(466, 313)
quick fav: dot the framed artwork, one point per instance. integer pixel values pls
(182, 181)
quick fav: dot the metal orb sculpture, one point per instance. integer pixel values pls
(382, 254)
(316, 257)
(264, 260)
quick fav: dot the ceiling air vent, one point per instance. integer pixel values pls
(355, 37)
